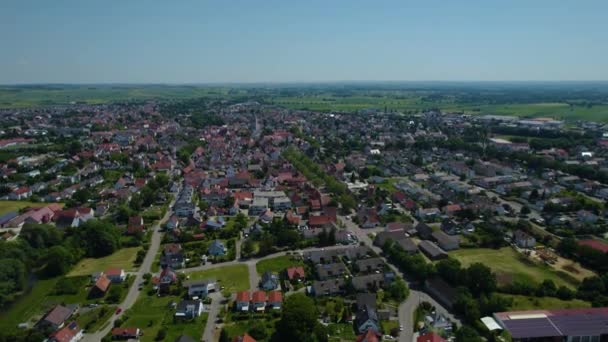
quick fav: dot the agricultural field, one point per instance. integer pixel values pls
(278, 264)
(535, 303)
(233, 278)
(511, 266)
(123, 258)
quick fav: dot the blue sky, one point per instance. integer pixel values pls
(284, 41)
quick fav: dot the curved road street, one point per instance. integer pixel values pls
(407, 308)
(145, 267)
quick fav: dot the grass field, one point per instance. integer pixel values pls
(341, 332)
(509, 265)
(531, 303)
(93, 319)
(151, 313)
(233, 278)
(277, 264)
(8, 206)
(237, 328)
(123, 258)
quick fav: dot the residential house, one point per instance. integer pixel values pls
(243, 300)
(244, 338)
(172, 223)
(366, 300)
(369, 265)
(328, 271)
(258, 301)
(296, 273)
(430, 337)
(523, 239)
(275, 299)
(173, 256)
(330, 287)
(368, 282)
(369, 336)
(424, 231)
(441, 291)
(69, 333)
(116, 275)
(269, 281)
(188, 309)
(431, 250)
(100, 288)
(445, 241)
(200, 288)
(216, 248)
(56, 317)
(366, 319)
(125, 333)
(136, 225)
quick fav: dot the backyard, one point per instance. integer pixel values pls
(123, 258)
(278, 264)
(511, 266)
(233, 278)
(8, 206)
(152, 313)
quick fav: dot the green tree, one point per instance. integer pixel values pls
(467, 334)
(398, 290)
(58, 261)
(299, 318)
(480, 279)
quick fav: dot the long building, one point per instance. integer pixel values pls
(567, 325)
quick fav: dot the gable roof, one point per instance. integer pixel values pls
(58, 315)
(66, 333)
(430, 337)
(102, 283)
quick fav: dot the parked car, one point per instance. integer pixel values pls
(118, 310)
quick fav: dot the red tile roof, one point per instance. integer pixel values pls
(66, 333)
(294, 272)
(430, 337)
(244, 338)
(243, 296)
(275, 296)
(595, 244)
(129, 331)
(258, 296)
(369, 336)
(103, 283)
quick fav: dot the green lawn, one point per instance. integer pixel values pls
(340, 332)
(151, 313)
(511, 266)
(26, 307)
(278, 264)
(123, 258)
(238, 328)
(233, 278)
(531, 303)
(92, 319)
(8, 206)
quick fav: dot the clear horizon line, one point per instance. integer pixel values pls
(17, 84)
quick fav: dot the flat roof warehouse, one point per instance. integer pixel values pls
(588, 324)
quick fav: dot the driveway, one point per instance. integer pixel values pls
(214, 309)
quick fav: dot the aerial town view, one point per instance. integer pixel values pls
(247, 171)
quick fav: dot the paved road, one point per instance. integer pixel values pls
(143, 269)
(214, 309)
(407, 308)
